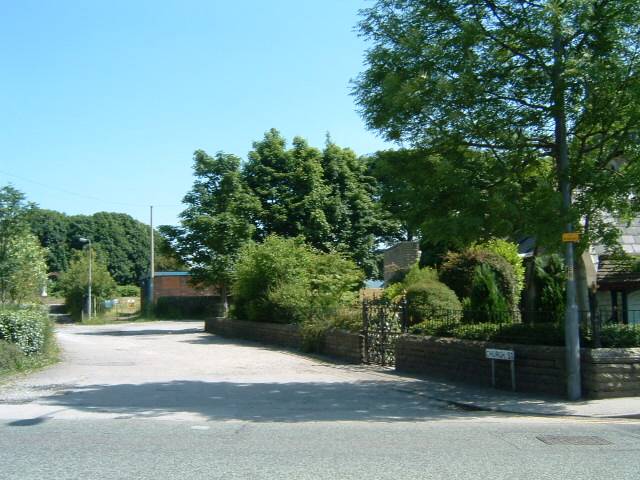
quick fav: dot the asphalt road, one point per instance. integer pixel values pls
(164, 400)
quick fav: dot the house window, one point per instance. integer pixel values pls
(619, 310)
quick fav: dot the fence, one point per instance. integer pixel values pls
(600, 328)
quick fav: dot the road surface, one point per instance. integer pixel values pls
(164, 400)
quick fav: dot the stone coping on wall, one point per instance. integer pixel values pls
(339, 344)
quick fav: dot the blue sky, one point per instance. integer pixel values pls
(102, 103)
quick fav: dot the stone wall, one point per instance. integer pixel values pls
(346, 346)
(611, 372)
(282, 335)
(399, 258)
(538, 369)
(606, 372)
(343, 345)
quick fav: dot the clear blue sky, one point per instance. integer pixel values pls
(108, 99)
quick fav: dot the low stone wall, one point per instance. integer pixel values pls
(611, 372)
(282, 335)
(346, 346)
(538, 369)
(606, 372)
(343, 345)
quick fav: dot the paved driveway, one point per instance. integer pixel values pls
(173, 370)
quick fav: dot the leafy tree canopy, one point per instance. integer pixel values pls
(22, 264)
(514, 83)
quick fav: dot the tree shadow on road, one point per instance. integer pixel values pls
(275, 402)
(381, 401)
(148, 331)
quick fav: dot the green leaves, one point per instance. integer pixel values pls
(22, 265)
(454, 75)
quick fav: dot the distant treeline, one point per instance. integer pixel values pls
(122, 242)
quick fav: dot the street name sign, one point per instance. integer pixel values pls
(495, 354)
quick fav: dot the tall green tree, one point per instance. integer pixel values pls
(290, 188)
(357, 220)
(328, 197)
(529, 85)
(74, 281)
(219, 218)
(22, 259)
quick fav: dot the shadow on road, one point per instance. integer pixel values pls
(134, 333)
(259, 402)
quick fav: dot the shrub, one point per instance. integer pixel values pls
(486, 303)
(283, 280)
(26, 328)
(550, 281)
(620, 336)
(432, 300)
(459, 269)
(437, 328)
(187, 307)
(11, 357)
(508, 251)
(416, 275)
(128, 291)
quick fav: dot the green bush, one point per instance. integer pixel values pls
(508, 251)
(620, 336)
(26, 328)
(283, 280)
(437, 328)
(486, 303)
(11, 357)
(550, 281)
(128, 291)
(432, 300)
(187, 307)
(459, 269)
(395, 290)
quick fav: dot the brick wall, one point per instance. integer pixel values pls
(399, 258)
(606, 372)
(345, 346)
(179, 286)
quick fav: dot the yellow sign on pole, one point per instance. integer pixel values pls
(572, 237)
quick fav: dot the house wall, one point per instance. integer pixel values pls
(400, 258)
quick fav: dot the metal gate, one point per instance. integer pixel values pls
(383, 322)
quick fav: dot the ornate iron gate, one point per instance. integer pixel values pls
(383, 322)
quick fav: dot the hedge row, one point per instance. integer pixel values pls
(26, 328)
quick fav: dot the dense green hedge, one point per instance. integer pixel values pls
(519, 333)
(26, 328)
(459, 269)
(433, 300)
(11, 357)
(187, 307)
(552, 334)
